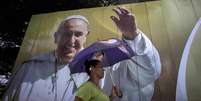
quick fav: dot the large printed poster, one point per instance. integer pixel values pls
(160, 21)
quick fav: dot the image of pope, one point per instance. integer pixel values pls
(47, 76)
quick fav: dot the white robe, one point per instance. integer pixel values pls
(136, 82)
(35, 81)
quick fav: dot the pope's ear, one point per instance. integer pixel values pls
(88, 32)
(55, 37)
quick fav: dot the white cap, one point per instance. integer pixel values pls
(61, 26)
(76, 17)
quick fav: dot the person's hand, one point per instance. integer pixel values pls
(116, 92)
(125, 23)
(98, 56)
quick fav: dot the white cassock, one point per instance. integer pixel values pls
(135, 81)
(39, 80)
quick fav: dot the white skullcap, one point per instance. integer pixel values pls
(76, 17)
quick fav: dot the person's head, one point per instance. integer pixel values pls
(70, 37)
(94, 68)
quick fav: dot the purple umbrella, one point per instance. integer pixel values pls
(114, 50)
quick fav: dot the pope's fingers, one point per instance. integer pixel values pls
(117, 11)
(115, 20)
(123, 10)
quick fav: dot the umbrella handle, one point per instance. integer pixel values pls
(112, 78)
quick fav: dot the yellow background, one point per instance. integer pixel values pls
(167, 23)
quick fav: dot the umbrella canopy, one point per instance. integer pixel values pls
(114, 50)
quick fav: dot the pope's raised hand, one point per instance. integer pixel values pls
(125, 22)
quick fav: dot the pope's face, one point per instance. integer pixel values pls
(70, 39)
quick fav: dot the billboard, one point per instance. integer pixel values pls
(163, 23)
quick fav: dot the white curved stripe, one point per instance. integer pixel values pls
(181, 94)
